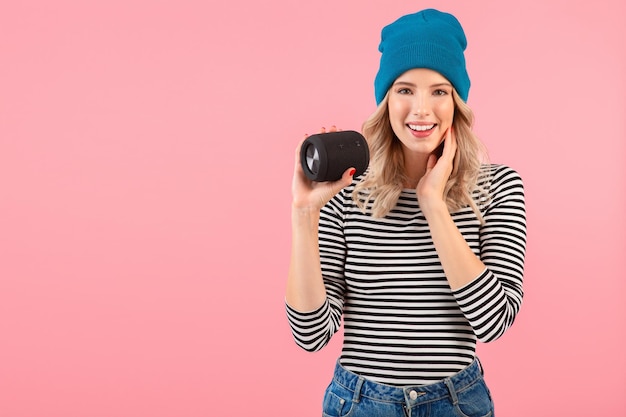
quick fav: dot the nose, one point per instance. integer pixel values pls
(421, 105)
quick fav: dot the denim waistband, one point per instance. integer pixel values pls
(415, 394)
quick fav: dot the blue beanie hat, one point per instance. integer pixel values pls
(427, 39)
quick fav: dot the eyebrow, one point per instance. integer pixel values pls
(414, 85)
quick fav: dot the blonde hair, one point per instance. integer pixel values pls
(385, 178)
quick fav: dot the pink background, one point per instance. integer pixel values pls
(146, 150)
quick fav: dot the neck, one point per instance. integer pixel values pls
(414, 168)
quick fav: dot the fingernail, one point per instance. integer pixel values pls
(352, 171)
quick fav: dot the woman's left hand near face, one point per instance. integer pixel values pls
(431, 187)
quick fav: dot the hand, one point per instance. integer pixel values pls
(431, 186)
(309, 194)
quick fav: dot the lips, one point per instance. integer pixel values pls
(421, 129)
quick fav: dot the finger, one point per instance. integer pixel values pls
(446, 143)
(323, 130)
(297, 155)
(332, 188)
(449, 147)
(430, 164)
(344, 181)
(306, 135)
(348, 175)
(333, 128)
(453, 139)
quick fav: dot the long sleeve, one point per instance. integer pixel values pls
(313, 330)
(492, 300)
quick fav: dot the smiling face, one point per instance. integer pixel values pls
(421, 109)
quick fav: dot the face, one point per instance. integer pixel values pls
(421, 109)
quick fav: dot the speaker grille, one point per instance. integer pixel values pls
(312, 159)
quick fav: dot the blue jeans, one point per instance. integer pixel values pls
(464, 394)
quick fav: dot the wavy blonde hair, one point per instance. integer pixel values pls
(383, 183)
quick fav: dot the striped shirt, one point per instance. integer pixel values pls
(403, 325)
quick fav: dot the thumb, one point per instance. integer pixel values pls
(334, 187)
(346, 178)
(344, 181)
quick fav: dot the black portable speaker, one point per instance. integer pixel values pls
(326, 156)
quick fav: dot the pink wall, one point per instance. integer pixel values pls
(146, 151)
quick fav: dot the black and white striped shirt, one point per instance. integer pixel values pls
(403, 325)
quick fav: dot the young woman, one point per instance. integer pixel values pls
(423, 255)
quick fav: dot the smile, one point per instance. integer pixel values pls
(421, 128)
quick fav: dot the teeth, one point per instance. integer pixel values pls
(421, 128)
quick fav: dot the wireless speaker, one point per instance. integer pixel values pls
(326, 156)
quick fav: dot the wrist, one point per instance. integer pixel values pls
(304, 210)
(434, 208)
(305, 216)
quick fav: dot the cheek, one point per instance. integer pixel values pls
(394, 108)
(396, 113)
(446, 113)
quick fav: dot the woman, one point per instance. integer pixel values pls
(423, 255)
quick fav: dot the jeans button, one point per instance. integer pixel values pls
(413, 395)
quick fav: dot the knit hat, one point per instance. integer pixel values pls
(426, 39)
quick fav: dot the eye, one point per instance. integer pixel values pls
(440, 92)
(404, 91)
